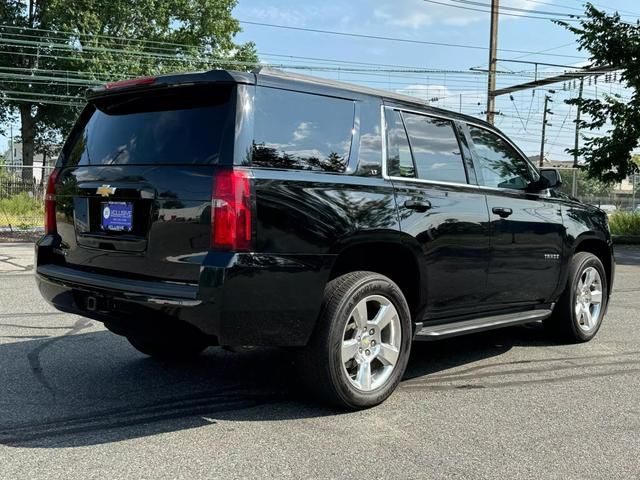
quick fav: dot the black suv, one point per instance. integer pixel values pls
(233, 209)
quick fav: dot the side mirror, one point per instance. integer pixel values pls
(550, 178)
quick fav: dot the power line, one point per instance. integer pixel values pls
(610, 7)
(516, 9)
(503, 13)
(393, 39)
(93, 35)
(556, 5)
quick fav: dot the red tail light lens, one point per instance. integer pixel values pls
(135, 82)
(231, 211)
(50, 203)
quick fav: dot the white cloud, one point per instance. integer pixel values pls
(281, 12)
(303, 131)
(416, 14)
(473, 101)
(427, 92)
(273, 14)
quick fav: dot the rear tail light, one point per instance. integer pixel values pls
(50, 203)
(231, 211)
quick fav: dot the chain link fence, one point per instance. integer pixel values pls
(611, 198)
(22, 201)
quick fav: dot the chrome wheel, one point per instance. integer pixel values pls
(588, 301)
(371, 343)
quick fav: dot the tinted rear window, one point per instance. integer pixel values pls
(181, 126)
(301, 131)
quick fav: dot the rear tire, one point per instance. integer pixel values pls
(359, 351)
(579, 312)
(168, 349)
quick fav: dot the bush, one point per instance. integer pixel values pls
(21, 211)
(625, 223)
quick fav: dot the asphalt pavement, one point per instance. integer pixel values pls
(78, 402)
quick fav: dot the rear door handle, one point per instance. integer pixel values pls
(502, 212)
(418, 205)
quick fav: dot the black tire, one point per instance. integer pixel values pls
(321, 366)
(180, 348)
(564, 322)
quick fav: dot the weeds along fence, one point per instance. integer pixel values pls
(22, 202)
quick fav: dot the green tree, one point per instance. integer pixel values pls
(52, 50)
(610, 41)
(592, 187)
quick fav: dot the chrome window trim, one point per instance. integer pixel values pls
(544, 194)
(433, 182)
(383, 135)
(386, 176)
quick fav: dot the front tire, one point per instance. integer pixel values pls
(580, 310)
(361, 345)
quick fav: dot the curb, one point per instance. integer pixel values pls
(626, 239)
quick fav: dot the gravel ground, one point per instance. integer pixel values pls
(78, 402)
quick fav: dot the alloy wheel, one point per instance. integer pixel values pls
(371, 343)
(588, 301)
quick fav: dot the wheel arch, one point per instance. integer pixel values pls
(393, 254)
(601, 249)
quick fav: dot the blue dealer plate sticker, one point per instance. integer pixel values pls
(117, 216)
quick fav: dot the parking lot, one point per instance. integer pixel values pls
(78, 402)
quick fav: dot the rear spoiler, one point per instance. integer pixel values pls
(168, 81)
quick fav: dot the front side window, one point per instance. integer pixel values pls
(435, 147)
(301, 131)
(500, 165)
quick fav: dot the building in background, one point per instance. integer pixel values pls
(14, 163)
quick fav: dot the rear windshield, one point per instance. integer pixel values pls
(178, 126)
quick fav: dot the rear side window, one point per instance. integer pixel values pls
(435, 148)
(301, 131)
(500, 165)
(181, 126)
(370, 151)
(400, 163)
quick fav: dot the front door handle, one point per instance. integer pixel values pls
(502, 212)
(418, 205)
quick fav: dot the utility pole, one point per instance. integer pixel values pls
(11, 142)
(547, 99)
(574, 185)
(577, 135)
(493, 48)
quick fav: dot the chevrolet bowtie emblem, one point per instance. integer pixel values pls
(105, 190)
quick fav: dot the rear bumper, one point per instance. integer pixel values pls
(240, 299)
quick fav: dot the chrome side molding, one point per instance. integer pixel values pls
(446, 330)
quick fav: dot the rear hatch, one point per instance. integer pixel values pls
(133, 194)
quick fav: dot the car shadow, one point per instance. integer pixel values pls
(93, 388)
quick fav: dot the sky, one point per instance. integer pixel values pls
(445, 39)
(442, 22)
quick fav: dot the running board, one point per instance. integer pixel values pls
(446, 330)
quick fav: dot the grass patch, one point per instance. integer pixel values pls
(625, 223)
(21, 211)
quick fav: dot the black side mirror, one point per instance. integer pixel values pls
(549, 178)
